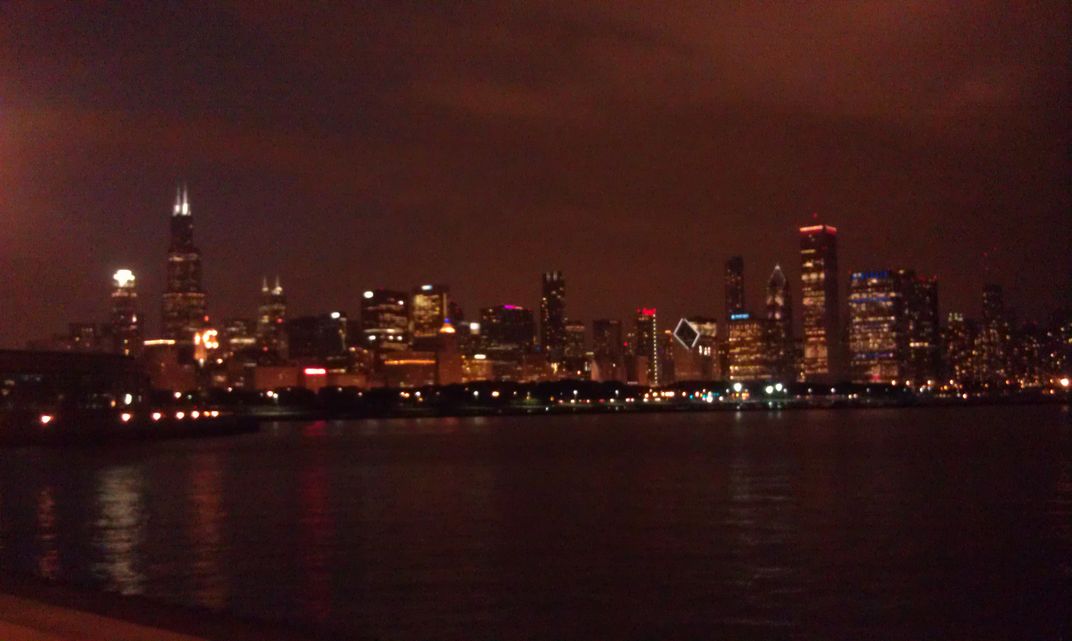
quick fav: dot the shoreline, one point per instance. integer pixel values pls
(34, 609)
(568, 409)
(248, 419)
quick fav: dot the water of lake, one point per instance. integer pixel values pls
(908, 523)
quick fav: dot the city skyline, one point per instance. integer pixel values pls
(732, 284)
(633, 153)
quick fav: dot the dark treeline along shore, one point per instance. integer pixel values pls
(216, 412)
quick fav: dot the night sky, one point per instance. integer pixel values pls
(635, 146)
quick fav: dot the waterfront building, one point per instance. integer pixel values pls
(647, 345)
(780, 325)
(183, 312)
(477, 367)
(878, 331)
(607, 350)
(1027, 356)
(469, 339)
(694, 349)
(384, 320)
(166, 367)
(960, 337)
(553, 317)
(271, 320)
(667, 357)
(819, 301)
(575, 362)
(992, 342)
(409, 368)
(734, 282)
(893, 327)
(747, 348)
(924, 331)
(428, 309)
(638, 369)
(448, 356)
(126, 321)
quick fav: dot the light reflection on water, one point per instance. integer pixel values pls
(637, 526)
(48, 564)
(120, 528)
(205, 532)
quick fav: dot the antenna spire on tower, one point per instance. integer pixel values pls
(178, 200)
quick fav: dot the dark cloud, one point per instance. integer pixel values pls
(634, 145)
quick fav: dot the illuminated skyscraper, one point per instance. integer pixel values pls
(428, 311)
(553, 317)
(271, 319)
(748, 348)
(647, 342)
(126, 322)
(734, 286)
(184, 298)
(893, 327)
(992, 342)
(819, 278)
(779, 324)
(878, 325)
(960, 336)
(384, 320)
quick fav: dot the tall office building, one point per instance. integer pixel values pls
(607, 339)
(384, 320)
(748, 351)
(878, 325)
(271, 319)
(819, 279)
(608, 350)
(695, 348)
(893, 327)
(779, 324)
(960, 337)
(575, 354)
(647, 342)
(126, 322)
(734, 286)
(924, 331)
(553, 316)
(992, 343)
(429, 310)
(184, 297)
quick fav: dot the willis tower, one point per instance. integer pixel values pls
(184, 298)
